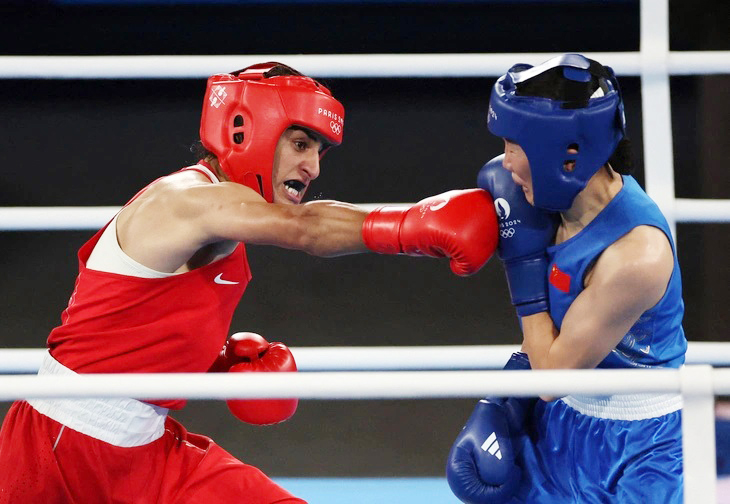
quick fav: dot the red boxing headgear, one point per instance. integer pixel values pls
(245, 113)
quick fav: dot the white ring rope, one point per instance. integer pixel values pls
(335, 65)
(697, 383)
(386, 358)
(79, 217)
(356, 384)
(94, 217)
(651, 64)
(699, 210)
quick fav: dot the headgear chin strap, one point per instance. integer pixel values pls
(546, 129)
(245, 113)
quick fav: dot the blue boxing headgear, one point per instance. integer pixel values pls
(546, 128)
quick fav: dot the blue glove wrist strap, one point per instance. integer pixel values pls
(515, 408)
(527, 280)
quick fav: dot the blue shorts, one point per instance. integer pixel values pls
(621, 449)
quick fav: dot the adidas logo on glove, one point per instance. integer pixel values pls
(491, 446)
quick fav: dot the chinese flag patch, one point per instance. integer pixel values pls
(559, 279)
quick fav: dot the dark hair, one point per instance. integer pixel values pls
(282, 70)
(552, 84)
(199, 151)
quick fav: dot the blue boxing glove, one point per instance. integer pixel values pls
(481, 467)
(524, 234)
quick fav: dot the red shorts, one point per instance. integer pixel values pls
(43, 461)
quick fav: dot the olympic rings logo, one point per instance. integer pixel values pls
(335, 127)
(507, 233)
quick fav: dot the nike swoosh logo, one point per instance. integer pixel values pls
(219, 280)
(438, 206)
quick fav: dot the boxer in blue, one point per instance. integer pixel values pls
(593, 274)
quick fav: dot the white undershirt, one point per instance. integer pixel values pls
(108, 255)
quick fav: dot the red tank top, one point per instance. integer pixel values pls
(121, 324)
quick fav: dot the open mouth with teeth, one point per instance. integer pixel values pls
(294, 187)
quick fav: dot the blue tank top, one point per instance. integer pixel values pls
(657, 338)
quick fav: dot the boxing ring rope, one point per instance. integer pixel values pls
(94, 217)
(337, 385)
(697, 384)
(654, 64)
(388, 358)
(337, 65)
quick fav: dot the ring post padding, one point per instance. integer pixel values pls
(698, 434)
(656, 103)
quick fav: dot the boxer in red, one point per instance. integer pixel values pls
(157, 287)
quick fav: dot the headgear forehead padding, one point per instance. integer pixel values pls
(546, 129)
(245, 113)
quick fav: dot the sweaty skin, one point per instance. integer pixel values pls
(183, 221)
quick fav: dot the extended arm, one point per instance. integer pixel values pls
(175, 219)
(460, 225)
(179, 215)
(321, 228)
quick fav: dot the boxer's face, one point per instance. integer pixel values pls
(296, 165)
(515, 161)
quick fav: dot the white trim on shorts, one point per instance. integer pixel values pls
(625, 406)
(119, 421)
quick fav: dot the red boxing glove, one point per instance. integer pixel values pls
(244, 352)
(460, 225)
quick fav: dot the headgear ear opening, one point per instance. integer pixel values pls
(546, 127)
